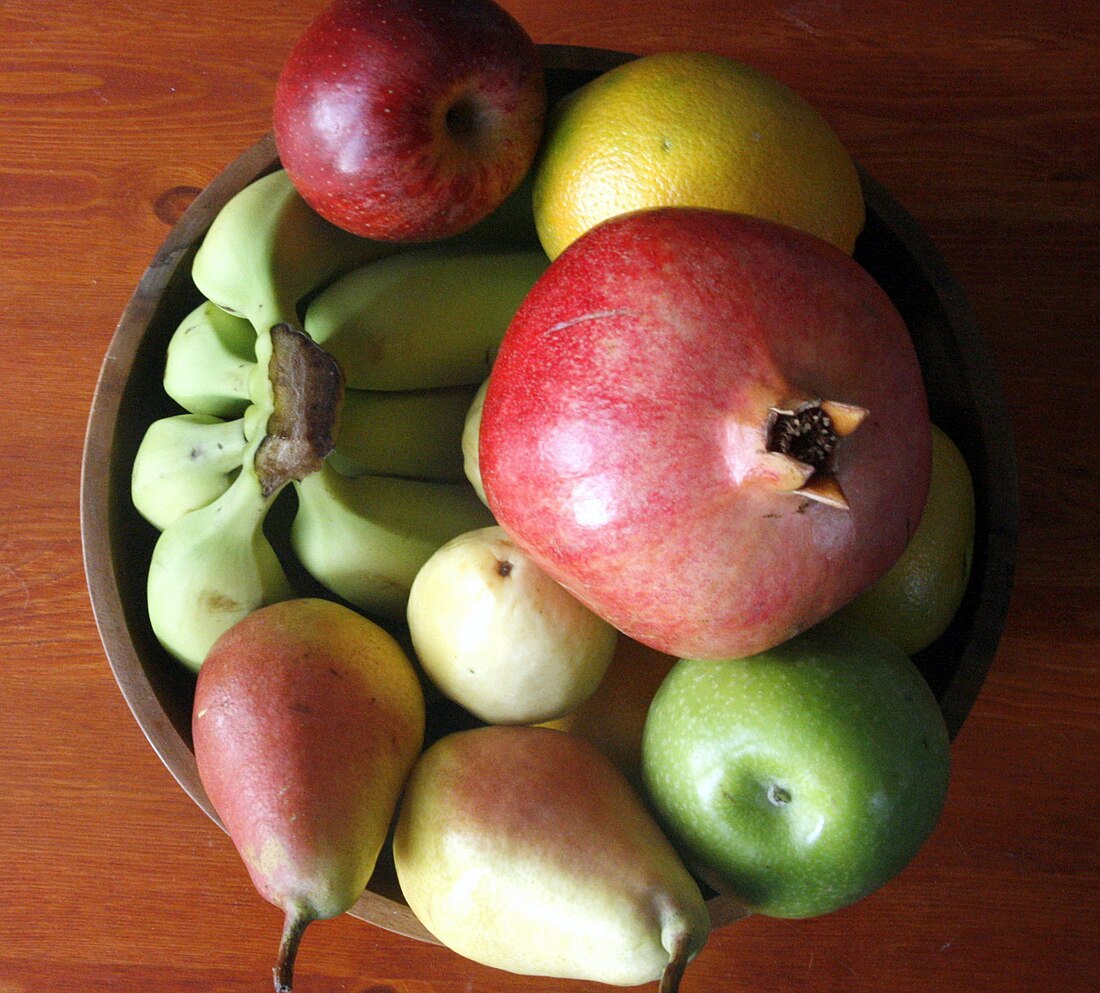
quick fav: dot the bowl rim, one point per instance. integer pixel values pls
(999, 503)
(95, 476)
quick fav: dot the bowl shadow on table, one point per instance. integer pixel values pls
(964, 398)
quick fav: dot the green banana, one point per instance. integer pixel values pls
(210, 362)
(428, 317)
(213, 566)
(416, 434)
(183, 463)
(210, 483)
(365, 539)
(267, 249)
(264, 252)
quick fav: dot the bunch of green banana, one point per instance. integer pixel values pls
(385, 486)
(212, 565)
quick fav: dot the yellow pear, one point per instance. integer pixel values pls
(525, 849)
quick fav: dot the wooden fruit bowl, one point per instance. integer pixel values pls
(964, 396)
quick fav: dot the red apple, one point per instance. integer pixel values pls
(711, 428)
(409, 120)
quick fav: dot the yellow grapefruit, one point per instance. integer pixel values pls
(692, 129)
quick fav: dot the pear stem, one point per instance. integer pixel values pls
(297, 920)
(677, 963)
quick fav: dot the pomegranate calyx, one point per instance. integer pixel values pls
(824, 488)
(846, 417)
(807, 434)
(788, 473)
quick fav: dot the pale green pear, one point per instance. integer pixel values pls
(501, 638)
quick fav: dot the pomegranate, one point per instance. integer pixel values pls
(711, 428)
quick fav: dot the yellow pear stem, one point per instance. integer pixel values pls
(677, 963)
(297, 920)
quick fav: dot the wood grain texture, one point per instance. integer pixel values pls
(982, 119)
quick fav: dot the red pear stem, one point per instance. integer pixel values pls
(677, 963)
(297, 920)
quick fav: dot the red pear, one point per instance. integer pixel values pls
(711, 428)
(307, 720)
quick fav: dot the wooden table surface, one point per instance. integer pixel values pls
(983, 119)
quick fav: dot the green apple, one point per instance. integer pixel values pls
(800, 779)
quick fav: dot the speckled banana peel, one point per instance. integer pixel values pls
(185, 462)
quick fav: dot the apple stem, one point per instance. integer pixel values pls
(677, 963)
(297, 919)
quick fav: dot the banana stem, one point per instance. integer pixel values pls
(307, 391)
(297, 920)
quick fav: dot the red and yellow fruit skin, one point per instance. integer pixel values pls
(622, 442)
(307, 720)
(523, 848)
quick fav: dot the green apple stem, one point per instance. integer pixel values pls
(297, 920)
(678, 960)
